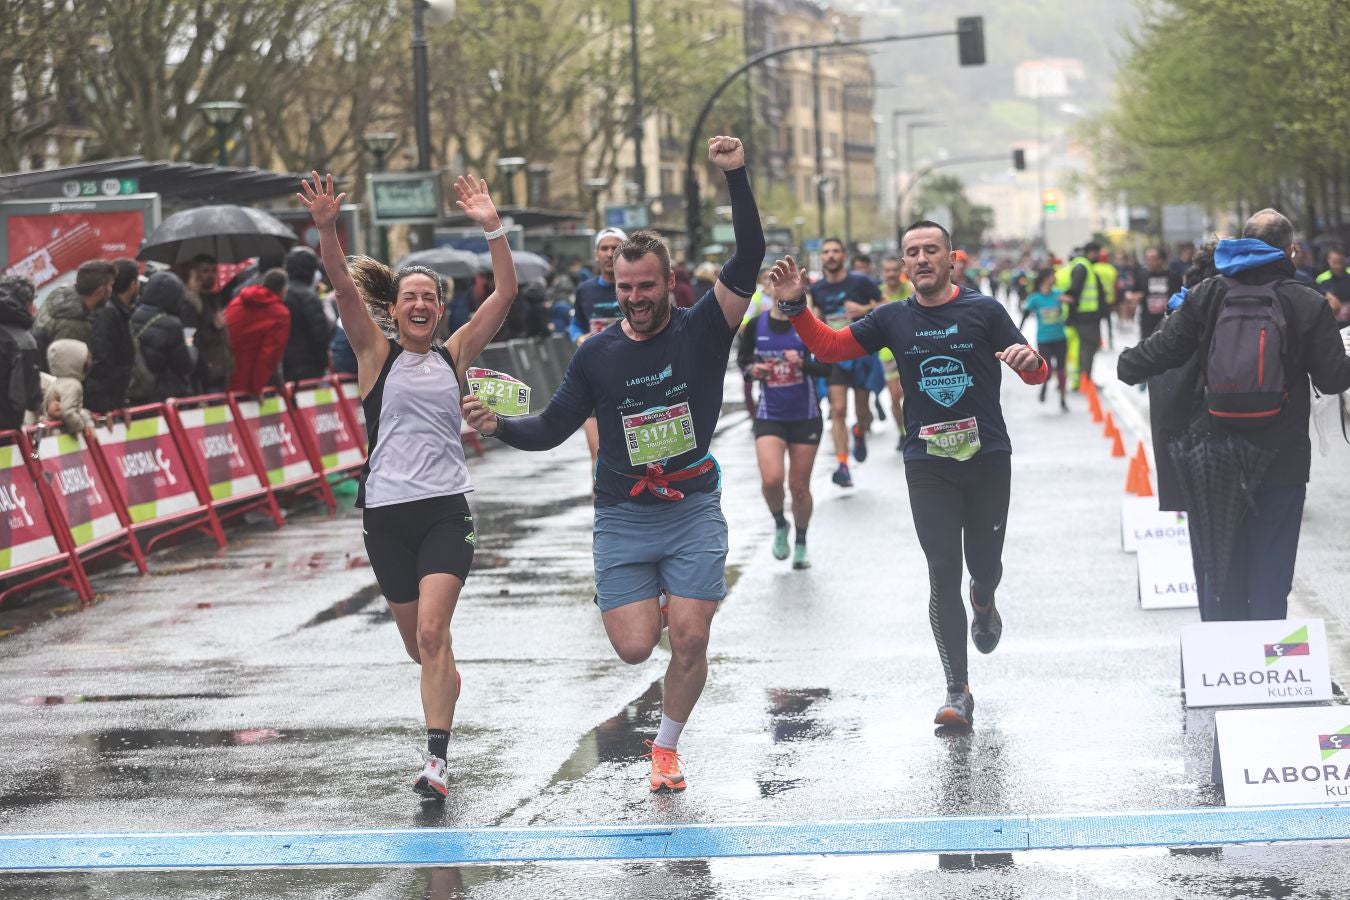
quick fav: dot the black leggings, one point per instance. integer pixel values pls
(952, 501)
(1056, 354)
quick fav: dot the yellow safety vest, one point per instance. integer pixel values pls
(1064, 279)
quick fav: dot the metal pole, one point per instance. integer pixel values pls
(1040, 169)
(746, 38)
(421, 108)
(639, 173)
(382, 231)
(820, 145)
(848, 182)
(222, 145)
(693, 212)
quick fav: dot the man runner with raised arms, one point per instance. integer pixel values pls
(655, 384)
(948, 341)
(595, 308)
(842, 297)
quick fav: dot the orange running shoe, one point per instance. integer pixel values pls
(666, 774)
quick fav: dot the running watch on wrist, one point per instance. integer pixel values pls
(501, 426)
(792, 308)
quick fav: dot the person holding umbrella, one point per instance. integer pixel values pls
(419, 530)
(1260, 335)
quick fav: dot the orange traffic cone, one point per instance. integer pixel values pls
(1142, 455)
(1132, 478)
(1145, 486)
(1110, 428)
(1117, 446)
(1095, 407)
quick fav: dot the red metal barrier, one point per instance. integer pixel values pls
(325, 427)
(274, 438)
(221, 460)
(35, 545)
(147, 470)
(351, 402)
(77, 483)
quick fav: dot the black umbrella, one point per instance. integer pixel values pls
(529, 266)
(1218, 475)
(229, 233)
(449, 261)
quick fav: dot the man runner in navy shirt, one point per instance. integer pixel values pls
(842, 297)
(654, 382)
(948, 341)
(595, 307)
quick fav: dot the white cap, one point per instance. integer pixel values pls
(608, 233)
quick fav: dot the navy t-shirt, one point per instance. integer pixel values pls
(595, 308)
(948, 370)
(829, 298)
(652, 398)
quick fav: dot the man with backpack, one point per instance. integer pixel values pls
(1260, 335)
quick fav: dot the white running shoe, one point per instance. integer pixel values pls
(432, 782)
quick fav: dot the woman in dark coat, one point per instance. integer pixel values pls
(155, 323)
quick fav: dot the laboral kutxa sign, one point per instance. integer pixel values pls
(1262, 662)
(1285, 755)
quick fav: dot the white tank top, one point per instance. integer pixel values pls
(419, 453)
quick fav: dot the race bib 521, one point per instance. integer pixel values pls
(504, 395)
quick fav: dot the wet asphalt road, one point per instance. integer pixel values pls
(266, 688)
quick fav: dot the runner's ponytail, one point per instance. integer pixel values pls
(376, 283)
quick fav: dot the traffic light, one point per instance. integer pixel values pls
(1019, 159)
(970, 40)
(1050, 200)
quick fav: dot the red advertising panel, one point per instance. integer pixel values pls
(318, 409)
(277, 445)
(351, 398)
(43, 247)
(81, 493)
(147, 470)
(212, 442)
(28, 539)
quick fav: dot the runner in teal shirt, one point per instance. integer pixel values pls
(1051, 343)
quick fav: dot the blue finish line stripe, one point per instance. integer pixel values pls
(457, 846)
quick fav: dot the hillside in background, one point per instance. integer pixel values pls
(978, 107)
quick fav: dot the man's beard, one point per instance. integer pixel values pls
(660, 314)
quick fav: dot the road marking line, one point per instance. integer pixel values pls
(459, 846)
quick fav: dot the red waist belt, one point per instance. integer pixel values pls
(657, 480)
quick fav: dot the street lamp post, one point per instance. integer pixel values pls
(378, 144)
(507, 167)
(596, 186)
(909, 167)
(639, 172)
(969, 33)
(222, 116)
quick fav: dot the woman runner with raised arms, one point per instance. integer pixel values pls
(418, 528)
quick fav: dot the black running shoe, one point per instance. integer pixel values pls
(985, 627)
(959, 710)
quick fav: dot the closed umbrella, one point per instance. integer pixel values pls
(229, 233)
(529, 266)
(448, 261)
(1218, 475)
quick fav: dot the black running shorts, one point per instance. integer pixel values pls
(795, 431)
(408, 541)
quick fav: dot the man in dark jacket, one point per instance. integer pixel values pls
(307, 349)
(20, 384)
(155, 323)
(68, 313)
(110, 347)
(1261, 571)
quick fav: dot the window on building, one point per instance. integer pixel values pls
(834, 144)
(788, 144)
(834, 99)
(807, 149)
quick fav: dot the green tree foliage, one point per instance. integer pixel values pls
(969, 221)
(1236, 104)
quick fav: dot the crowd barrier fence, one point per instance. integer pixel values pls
(147, 473)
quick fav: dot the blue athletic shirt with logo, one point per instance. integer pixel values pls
(594, 299)
(670, 385)
(829, 298)
(1049, 311)
(947, 364)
